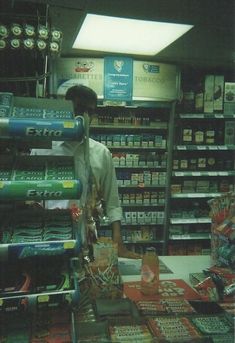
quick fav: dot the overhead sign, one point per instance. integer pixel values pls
(73, 71)
(118, 76)
(155, 81)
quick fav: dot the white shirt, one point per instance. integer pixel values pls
(102, 169)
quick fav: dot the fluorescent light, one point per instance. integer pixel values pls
(127, 36)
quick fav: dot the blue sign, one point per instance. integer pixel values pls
(118, 73)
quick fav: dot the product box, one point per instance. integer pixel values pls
(103, 139)
(140, 178)
(175, 165)
(161, 198)
(148, 217)
(134, 217)
(229, 92)
(155, 178)
(139, 198)
(176, 188)
(116, 140)
(140, 217)
(151, 141)
(123, 140)
(132, 198)
(134, 178)
(229, 133)
(135, 158)
(137, 140)
(128, 217)
(127, 178)
(109, 140)
(209, 94)
(145, 233)
(218, 92)
(130, 140)
(146, 197)
(154, 198)
(145, 141)
(147, 177)
(129, 160)
(122, 159)
(116, 159)
(154, 217)
(158, 141)
(126, 198)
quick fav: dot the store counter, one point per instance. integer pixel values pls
(181, 267)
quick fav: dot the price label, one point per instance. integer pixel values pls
(179, 174)
(213, 147)
(188, 221)
(212, 173)
(181, 147)
(186, 236)
(1, 184)
(222, 147)
(69, 245)
(223, 173)
(201, 147)
(196, 174)
(69, 124)
(219, 115)
(204, 220)
(43, 298)
(1, 302)
(68, 184)
(196, 195)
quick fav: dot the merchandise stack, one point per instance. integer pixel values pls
(39, 247)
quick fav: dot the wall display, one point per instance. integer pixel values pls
(151, 81)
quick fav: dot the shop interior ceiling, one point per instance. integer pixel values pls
(209, 45)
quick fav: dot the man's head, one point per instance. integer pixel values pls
(84, 99)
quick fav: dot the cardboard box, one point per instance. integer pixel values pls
(229, 92)
(229, 133)
(209, 94)
(218, 92)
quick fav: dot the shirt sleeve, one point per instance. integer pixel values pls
(109, 189)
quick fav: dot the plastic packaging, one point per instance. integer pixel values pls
(150, 272)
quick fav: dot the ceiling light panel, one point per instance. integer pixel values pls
(127, 36)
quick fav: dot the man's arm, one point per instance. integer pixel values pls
(117, 238)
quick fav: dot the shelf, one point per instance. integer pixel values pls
(190, 220)
(144, 242)
(141, 186)
(196, 195)
(206, 116)
(141, 167)
(148, 148)
(68, 295)
(204, 147)
(204, 173)
(44, 248)
(159, 126)
(142, 205)
(195, 236)
(131, 224)
(40, 190)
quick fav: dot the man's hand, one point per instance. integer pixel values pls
(124, 252)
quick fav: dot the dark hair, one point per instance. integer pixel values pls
(81, 94)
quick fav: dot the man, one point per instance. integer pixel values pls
(103, 173)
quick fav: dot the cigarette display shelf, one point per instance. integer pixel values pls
(140, 167)
(136, 134)
(202, 169)
(205, 147)
(203, 173)
(142, 205)
(142, 186)
(192, 236)
(206, 116)
(195, 195)
(203, 220)
(134, 148)
(144, 242)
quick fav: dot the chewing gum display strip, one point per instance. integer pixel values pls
(69, 129)
(211, 325)
(47, 190)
